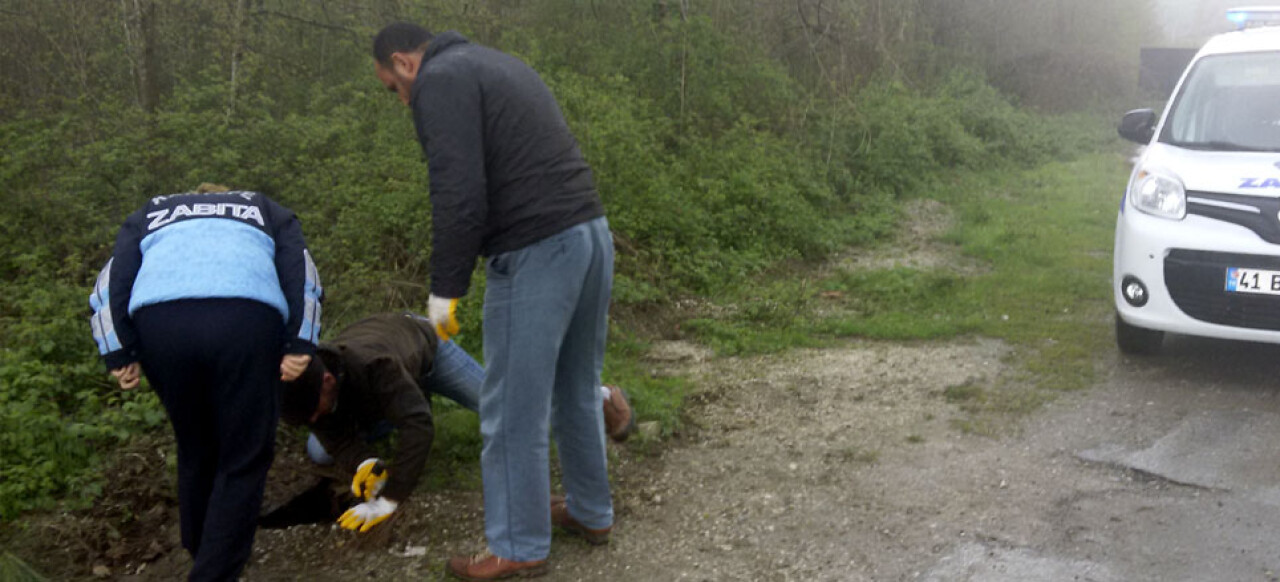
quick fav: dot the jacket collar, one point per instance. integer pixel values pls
(442, 42)
(439, 44)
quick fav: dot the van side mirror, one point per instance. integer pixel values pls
(1138, 126)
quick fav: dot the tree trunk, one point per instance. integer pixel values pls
(139, 32)
(237, 49)
(148, 71)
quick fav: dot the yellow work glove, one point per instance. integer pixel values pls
(370, 477)
(443, 314)
(363, 517)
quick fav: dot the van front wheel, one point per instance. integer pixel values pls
(1137, 341)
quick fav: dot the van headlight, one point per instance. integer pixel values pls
(1159, 193)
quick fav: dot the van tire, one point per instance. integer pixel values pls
(1137, 341)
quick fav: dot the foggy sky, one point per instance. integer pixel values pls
(1188, 23)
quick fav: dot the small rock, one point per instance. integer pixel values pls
(101, 571)
(414, 551)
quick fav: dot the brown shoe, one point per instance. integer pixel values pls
(486, 566)
(560, 518)
(619, 421)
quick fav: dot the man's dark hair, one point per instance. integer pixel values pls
(399, 37)
(299, 398)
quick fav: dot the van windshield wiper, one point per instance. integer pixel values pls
(1220, 146)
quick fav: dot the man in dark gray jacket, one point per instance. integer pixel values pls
(509, 183)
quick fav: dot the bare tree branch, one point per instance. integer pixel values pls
(305, 21)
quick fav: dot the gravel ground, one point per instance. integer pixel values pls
(813, 465)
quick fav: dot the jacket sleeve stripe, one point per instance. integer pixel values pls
(315, 333)
(104, 332)
(312, 292)
(97, 335)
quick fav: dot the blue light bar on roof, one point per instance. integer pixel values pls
(1254, 16)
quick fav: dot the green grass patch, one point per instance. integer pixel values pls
(967, 392)
(898, 303)
(653, 398)
(729, 337)
(455, 449)
(1041, 242)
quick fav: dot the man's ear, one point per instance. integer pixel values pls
(405, 65)
(328, 396)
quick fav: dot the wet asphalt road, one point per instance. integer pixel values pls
(1169, 470)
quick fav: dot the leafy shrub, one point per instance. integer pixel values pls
(57, 408)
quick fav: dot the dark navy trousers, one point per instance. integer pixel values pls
(215, 363)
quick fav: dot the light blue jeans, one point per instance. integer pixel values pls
(545, 324)
(454, 375)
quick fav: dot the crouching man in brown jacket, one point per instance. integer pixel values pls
(376, 376)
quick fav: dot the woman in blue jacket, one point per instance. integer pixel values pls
(214, 296)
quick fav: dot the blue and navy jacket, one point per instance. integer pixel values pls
(204, 246)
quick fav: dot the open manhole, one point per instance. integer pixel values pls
(321, 502)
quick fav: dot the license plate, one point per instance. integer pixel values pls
(1241, 280)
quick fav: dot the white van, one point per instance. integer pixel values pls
(1197, 248)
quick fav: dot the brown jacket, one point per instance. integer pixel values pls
(380, 361)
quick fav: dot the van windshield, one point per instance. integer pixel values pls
(1228, 103)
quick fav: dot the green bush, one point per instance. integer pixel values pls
(57, 407)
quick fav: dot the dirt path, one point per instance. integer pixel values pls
(816, 465)
(841, 465)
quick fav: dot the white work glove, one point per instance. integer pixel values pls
(370, 477)
(442, 312)
(363, 517)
